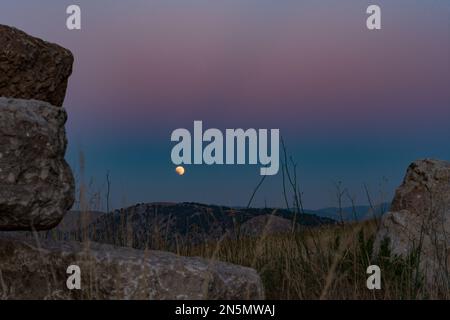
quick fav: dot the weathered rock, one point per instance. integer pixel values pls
(31, 68)
(38, 271)
(36, 184)
(420, 220)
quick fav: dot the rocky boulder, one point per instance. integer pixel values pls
(38, 270)
(31, 68)
(420, 220)
(36, 183)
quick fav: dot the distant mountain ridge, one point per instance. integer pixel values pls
(349, 213)
(146, 225)
(150, 225)
(356, 213)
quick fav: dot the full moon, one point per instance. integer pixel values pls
(180, 170)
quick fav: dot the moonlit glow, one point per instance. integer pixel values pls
(180, 170)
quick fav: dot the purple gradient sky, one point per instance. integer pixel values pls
(353, 105)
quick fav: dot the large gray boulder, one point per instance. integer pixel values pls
(420, 220)
(31, 68)
(38, 270)
(36, 183)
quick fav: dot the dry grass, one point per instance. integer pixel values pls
(327, 262)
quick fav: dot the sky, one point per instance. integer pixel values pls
(353, 106)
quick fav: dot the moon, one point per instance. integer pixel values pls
(180, 170)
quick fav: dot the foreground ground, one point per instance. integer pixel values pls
(328, 262)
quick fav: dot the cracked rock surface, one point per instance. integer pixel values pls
(420, 220)
(31, 68)
(36, 183)
(32, 270)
